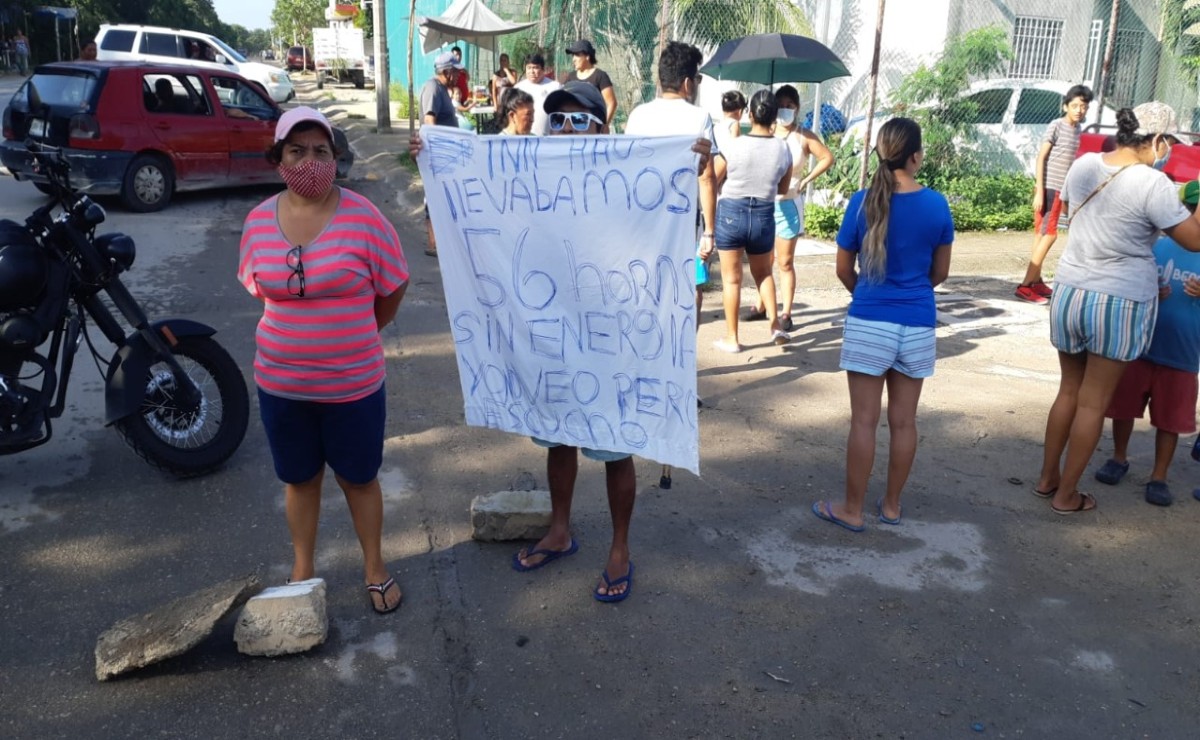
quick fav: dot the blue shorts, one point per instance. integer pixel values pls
(874, 347)
(305, 435)
(603, 456)
(788, 222)
(1086, 321)
(745, 223)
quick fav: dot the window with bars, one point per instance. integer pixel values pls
(1035, 47)
(1095, 52)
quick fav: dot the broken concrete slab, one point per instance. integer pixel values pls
(283, 620)
(170, 630)
(510, 515)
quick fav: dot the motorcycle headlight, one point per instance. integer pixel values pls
(117, 248)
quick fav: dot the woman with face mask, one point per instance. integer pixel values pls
(330, 272)
(1103, 309)
(789, 206)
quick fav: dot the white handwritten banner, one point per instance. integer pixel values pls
(568, 264)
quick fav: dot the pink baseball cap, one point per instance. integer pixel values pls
(300, 114)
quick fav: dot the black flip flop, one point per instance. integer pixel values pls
(382, 589)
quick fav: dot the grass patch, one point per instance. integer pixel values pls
(406, 160)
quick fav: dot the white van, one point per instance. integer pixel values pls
(174, 45)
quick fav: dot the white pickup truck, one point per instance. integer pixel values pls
(338, 53)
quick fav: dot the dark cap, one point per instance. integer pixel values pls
(582, 46)
(584, 93)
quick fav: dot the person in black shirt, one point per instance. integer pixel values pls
(583, 54)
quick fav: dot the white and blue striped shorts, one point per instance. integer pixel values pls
(1086, 321)
(874, 347)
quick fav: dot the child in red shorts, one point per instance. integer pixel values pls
(1057, 152)
(1165, 378)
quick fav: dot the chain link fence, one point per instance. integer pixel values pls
(985, 77)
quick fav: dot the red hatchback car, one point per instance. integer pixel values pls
(144, 131)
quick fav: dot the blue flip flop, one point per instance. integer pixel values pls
(611, 598)
(548, 556)
(887, 519)
(827, 514)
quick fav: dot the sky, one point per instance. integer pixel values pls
(249, 13)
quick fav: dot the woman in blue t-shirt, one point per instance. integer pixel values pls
(894, 247)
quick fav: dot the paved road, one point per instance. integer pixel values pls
(749, 618)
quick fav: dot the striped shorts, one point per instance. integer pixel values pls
(1085, 321)
(874, 347)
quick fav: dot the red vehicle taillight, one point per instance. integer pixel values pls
(84, 126)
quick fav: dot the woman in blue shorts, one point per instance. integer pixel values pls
(754, 167)
(1104, 305)
(894, 247)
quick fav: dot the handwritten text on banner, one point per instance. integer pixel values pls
(569, 270)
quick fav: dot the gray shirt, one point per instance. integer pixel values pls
(435, 100)
(1111, 248)
(755, 165)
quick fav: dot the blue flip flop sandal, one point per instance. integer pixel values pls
(609, 583)
(548, 556)
(826, 513)
(887, 519)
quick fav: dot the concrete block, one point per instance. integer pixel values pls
(510, 515)
(170, 630)
(283, 620)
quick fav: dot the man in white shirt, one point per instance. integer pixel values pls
(539, 87)
(674, 113)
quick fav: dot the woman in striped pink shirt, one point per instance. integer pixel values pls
(331, 274)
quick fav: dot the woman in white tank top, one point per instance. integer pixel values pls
(789, 207)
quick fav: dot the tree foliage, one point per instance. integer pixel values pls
(295, 19)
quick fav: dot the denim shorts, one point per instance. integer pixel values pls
(1086, 321)
(305, 435)
(745, 223)
(603, 456)
(789, 221)
(874, 347)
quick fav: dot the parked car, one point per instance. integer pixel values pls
(299, 58)
(1011, 117)
(268, 55)
(176, 46)
(1183, 166)
(144, 131)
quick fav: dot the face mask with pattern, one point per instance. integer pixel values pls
(310, 179)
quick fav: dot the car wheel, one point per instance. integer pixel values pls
(149, 183)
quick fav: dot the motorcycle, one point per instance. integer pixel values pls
(170, 390)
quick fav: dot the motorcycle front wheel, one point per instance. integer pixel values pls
(190, 441)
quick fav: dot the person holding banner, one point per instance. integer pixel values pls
(331, 273)
(438, 109)
(893, 248)
(755, 168)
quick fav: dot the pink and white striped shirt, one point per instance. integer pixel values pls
(325, 345)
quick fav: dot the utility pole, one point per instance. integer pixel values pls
(383, 114)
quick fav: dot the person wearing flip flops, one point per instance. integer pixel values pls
(578, 108)
(331, 274)
(789, 206)
(893, 248)
(1102, 313)
(1165, 376)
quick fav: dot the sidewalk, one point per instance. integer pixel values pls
(982, 612)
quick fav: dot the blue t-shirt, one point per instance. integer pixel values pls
(1176, 341)
(918, 223)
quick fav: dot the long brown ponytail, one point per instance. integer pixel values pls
(899, 139)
